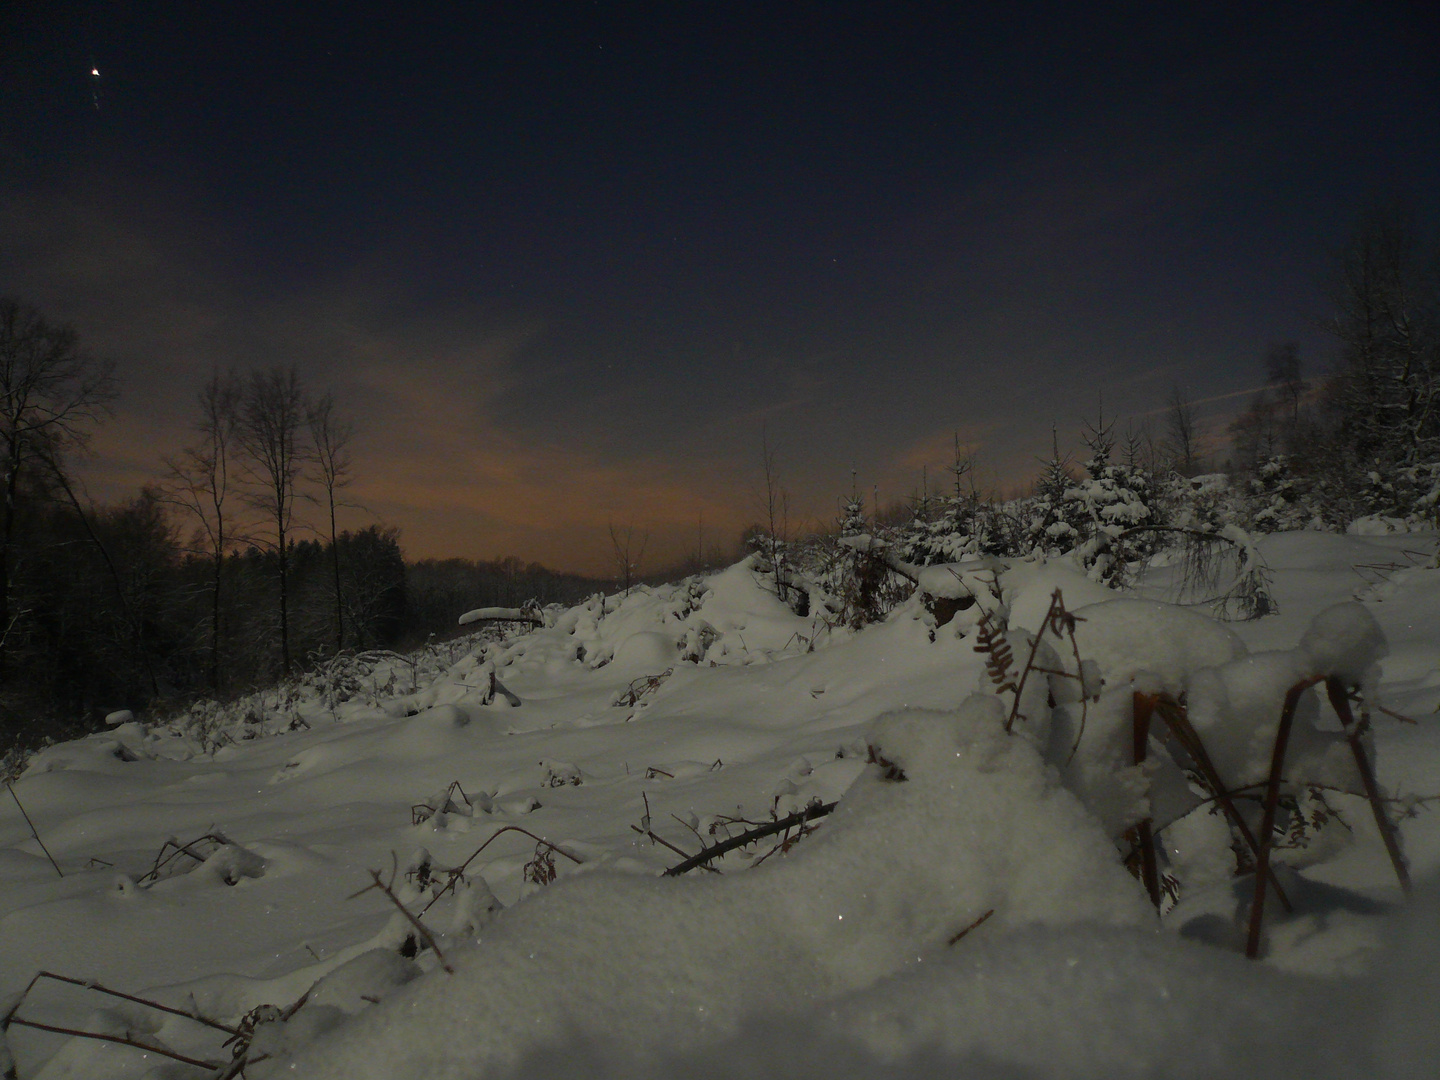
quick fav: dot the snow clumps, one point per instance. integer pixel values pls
(977, 825)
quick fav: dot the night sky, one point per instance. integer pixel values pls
(564, 262)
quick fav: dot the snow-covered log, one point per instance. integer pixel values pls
(503, 614)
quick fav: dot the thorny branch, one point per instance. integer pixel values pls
(800, 817)
(33, 833)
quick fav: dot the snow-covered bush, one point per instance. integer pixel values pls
(1280, 500)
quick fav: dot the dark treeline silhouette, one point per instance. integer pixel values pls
(113, 612)
(116, 613)
(225, 575)
(1355, 443)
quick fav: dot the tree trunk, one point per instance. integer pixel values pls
(335, 566)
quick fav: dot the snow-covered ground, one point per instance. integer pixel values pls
(964, 908)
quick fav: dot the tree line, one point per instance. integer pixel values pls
(227, 572)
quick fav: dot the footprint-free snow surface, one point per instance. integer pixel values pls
(965, 909)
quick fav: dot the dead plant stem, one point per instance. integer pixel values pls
(121, 1039)
(33, 832)
(420, 928)
(1272, 801)
(972, 926)
(1144, 709)
(1340, 701)
(1173, 713)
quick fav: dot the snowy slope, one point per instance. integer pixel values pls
(683, 709)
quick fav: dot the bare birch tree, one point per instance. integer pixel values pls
(330, 437)
(270, 430)
(1182, 430)
(629, 553)
(201, 482)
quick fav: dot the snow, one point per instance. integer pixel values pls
(975, 826)
(1126, 637)
(690, 709)
(1236, 709)
(1345, 640)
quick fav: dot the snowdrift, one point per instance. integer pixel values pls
(965, 907)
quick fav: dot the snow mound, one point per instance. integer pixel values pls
(1345, 640)
(1081, 1003)
(977, 825)
(1126, 637)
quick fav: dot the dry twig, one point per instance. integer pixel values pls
(123, 1040)
(420, 928)
(1272, 800)
(10, 1018)
(972, 926)
(172, 849)
(458, 873)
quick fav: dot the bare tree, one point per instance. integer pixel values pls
(1282, 371)
(51, 395)
(1183, 434)
(777, 516)
(201, 483)
(330, 438)
(629, 553)
(1255, 433)
(270, 429)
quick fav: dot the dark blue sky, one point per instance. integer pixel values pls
(564, 261)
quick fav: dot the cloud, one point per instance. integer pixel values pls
(427, 384)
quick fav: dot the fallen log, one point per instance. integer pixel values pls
(503, 614)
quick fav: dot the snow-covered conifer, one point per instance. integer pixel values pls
(1051, 522)
(1111, 498)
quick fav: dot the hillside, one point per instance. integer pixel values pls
(965, 906)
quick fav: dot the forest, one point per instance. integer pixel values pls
(225, 574)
